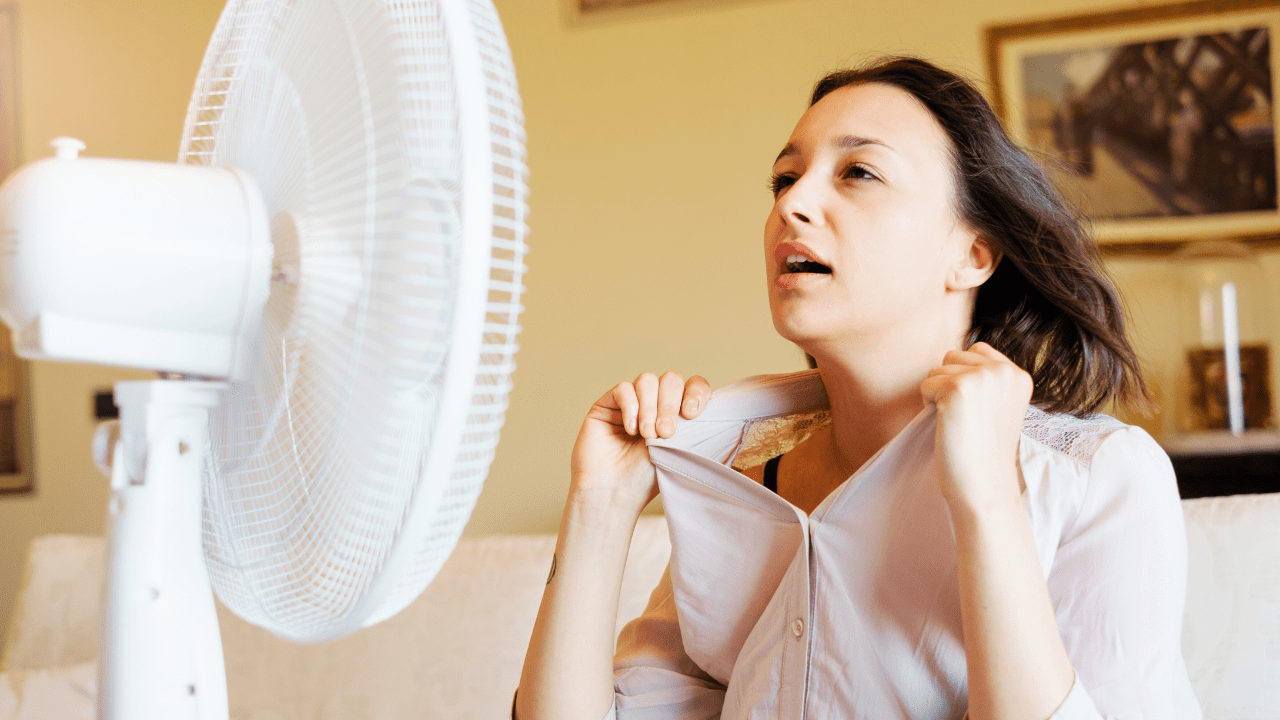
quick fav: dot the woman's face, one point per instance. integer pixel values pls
(863, 241)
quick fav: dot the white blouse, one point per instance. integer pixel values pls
(854, 611)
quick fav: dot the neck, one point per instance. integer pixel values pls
(874, 393)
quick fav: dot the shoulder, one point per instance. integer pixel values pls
(1100, 468)
(1079, 438)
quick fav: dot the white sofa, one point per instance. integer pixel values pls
(456, 652)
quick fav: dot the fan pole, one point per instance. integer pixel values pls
(161, 651)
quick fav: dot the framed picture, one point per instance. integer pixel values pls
(1158, 121)
(15, 445)
(591, 6)
(9, 159)
(596, 5)
(15, 442)
(597, 12)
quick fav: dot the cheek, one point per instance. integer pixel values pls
(898, 260)
(773, 229)
(918, 231)
(772, 226)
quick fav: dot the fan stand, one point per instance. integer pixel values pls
(161, 654)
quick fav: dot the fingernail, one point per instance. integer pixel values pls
(664, 426)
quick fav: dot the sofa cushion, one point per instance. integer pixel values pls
(457, 649)
(1231, 631)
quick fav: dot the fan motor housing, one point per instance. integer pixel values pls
(182, 251)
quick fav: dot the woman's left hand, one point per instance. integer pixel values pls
(982, 399)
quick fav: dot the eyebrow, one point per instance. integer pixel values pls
(844, 142)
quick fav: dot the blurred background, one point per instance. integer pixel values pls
(651, 134)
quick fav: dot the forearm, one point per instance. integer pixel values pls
(568, 670)
(1018, 666)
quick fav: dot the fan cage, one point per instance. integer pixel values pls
(296, 530)
(493, 385)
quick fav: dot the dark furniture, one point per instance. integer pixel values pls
(1215, 474)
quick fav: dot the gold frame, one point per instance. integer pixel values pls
(15, 421)
(1004, 44)
(575, 13)
(15, 382)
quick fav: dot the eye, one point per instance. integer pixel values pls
(778, 183)
(858, 172)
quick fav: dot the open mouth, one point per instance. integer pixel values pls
(802, 264)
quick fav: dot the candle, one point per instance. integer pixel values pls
(1231, 348)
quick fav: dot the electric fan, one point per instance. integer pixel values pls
(329, 281)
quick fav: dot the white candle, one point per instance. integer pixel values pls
(1231, 345)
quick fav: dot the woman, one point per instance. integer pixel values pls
(938, 546)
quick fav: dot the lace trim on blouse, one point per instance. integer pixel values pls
(770, 437)
(1077, 438)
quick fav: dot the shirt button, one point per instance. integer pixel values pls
(797, 627)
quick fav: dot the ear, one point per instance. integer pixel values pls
(975, 265)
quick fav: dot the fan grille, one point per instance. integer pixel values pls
(345, 113)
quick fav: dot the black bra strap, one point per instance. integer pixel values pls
(771, 474)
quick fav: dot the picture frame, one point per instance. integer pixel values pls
(16, 475)
(589, 6)
(1157, 121)
(9, 149)
(592, 13)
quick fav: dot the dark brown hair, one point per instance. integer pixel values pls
(1049, 306)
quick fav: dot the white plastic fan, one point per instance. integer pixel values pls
(330, 278)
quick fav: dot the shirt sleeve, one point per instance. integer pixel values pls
(1118, 585)
(653, 677)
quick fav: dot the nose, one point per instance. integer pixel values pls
(801, 203)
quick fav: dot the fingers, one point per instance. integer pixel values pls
(628, 405)
(697, 391)
(652, 406)
(646, 388)
(931, 388)
(670, 397)
(946, 382)
(985, 350)
(952, 369)
(981, 369)
(964, 357)
(977, 354)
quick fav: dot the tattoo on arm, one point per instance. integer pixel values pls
(553, 569)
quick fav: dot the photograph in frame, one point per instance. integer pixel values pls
(1157, 122)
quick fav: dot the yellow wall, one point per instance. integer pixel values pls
(650, 140)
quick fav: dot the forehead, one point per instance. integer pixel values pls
(885, 114)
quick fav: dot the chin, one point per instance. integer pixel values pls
(809, 320)
(797, 330)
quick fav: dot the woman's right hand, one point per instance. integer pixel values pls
(610, 464)
(568, 670)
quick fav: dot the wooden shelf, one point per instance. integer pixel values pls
(1214, 464)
